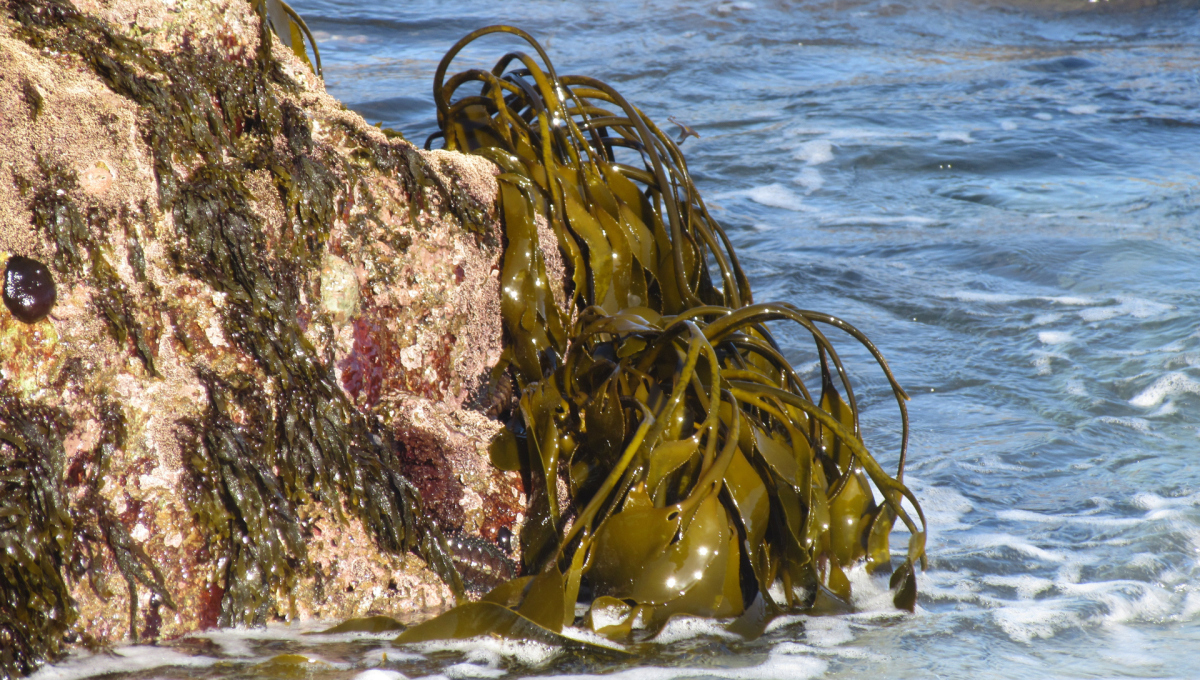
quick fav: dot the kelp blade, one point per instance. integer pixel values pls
(688, 446)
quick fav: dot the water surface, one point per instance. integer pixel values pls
(1006, 198)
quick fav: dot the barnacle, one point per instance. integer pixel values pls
(703, 476)
(29, 291)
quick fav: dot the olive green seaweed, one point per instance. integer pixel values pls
(702, 476)
(291, 30)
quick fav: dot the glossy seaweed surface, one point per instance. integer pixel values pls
(675, 461)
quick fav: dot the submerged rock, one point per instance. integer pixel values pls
(270, 317)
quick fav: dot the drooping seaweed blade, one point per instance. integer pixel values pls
(676, 463)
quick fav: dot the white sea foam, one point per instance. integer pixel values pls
(120, 660)
(690, 627)
(1043, 319)
(1191, 606)
(1025, 620)
(525, 652)
(1005, 298)
(815, 152)
(1055, 337)
(771, 195)
(1135, 307)
(870, 594)
(380, 674)
(1170, 385)
(1064, 518)
(1008, 125)
(1043, 116)
(776, 196)
(827, 631)
(1152, 501)
(944, 506)
(781, 662)
(465, 671)
(727, 7)
(1044, 361)
(811, 179)
(991, 541)
(875, 220)
(1083, 109)
(955, 136)
(1137, 424)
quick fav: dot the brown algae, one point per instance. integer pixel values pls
(701, 475)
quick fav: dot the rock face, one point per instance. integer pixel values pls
(273, 336)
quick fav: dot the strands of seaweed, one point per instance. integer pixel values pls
(676, 463)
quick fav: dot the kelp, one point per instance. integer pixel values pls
(291, 30)
(675, 462)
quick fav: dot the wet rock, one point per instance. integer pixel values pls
(274, 329)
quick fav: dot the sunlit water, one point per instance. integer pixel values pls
(1006, 198)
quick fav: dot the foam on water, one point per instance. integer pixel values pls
(780, 663)
(527, 653)
(776, 196)
(467, 670)
(1044, 319)
(122, 660)
(811, 179)
(1054, 337)
(690, 627)
(1137, 424)
(815, 152)
(1170, 385)
(1009, 298)
(955, 136)
(380, 674)
(875, 221)
(1135, 307)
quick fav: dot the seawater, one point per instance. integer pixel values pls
(1005, 196)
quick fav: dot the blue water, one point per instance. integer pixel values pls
(1005, 196)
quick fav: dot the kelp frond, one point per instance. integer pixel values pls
(675, 461)
(291, 29)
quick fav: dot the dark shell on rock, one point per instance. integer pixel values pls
(29, 291)
(480, 563)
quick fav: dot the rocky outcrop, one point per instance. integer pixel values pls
(274, 331)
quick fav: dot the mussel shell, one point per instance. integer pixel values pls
(29, 291)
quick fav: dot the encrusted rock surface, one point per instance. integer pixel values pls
(265, 308)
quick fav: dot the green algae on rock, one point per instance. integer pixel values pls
(676, 462)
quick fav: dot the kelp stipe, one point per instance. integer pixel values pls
(291, 30)
(675, 461)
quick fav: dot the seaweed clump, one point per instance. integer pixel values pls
(36, 537)
(675, 462)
